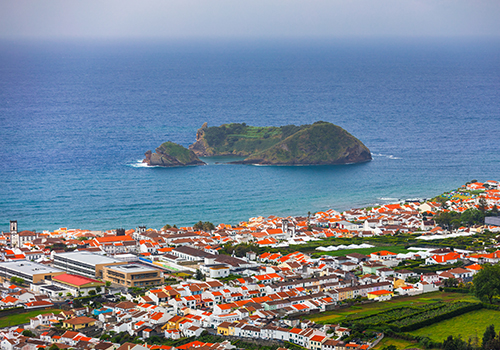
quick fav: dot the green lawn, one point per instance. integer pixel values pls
(15, 319)
(365, 251)
(468, 325)
(373, 308)
(399, 343)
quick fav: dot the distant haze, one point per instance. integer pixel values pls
(247, 18)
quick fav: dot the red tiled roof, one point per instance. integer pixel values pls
(75, 279)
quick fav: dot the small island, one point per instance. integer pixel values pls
(171, 154)
(320, 143)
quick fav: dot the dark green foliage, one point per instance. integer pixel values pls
(488, 335)
(450, 282)
(493, 343)
(204, 226)
(456, 343)
(199, 276)
(28, 333)
(453, 219)
(487, 282)
(390, 347)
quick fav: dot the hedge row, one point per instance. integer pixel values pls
(455, 290)
(491, 306)
(438, 318)
(413, 312)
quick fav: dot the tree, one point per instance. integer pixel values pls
(450, 282)
(28, 333)
(98, 289)
(54, 347)
(494, 210)
(493, 343)
(108, 284)
(487, 282)
(16, 280)
(204, 226)
(92, 292)
(488, 335)
(199, 275)
(482, 205)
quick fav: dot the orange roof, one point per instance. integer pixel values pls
(380, 292)
(109, 239)
(384, 253)
(475, 267)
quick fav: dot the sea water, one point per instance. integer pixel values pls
(77, 117)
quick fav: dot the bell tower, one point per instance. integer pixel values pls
(14, 236)
(13, 227)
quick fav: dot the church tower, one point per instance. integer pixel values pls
(14, 236)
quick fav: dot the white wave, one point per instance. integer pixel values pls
(388, 199)
(139, 164)
(389, 156)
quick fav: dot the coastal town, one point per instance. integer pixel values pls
(262, 282)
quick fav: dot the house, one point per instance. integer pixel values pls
(385, 272)
(404, 274)
(380, 295)
(383, 255)
(449, 258)
(79, 322)
(460, 273)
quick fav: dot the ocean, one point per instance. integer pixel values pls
(77, 117)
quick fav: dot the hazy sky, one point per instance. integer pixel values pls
(247, 18)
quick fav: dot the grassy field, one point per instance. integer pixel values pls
(399, 343)
(373, 308)
(13, 320)
(468, 325)
(365, 251)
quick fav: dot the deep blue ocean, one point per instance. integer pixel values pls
(77, 117)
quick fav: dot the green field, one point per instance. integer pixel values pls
(365, 251)
(399, 343)
(468, 325)
(14, 320)
(373, 308)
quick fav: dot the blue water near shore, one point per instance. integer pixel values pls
(76, 119)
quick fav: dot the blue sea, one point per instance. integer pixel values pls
(76, 118)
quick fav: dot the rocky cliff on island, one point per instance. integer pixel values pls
(320, 143)
(170, 154)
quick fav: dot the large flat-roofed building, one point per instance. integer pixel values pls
(29, 271)
(78, 284)
(133, 275)
(84, 263)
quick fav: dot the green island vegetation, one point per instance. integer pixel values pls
(171, 154)
(318, 143)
